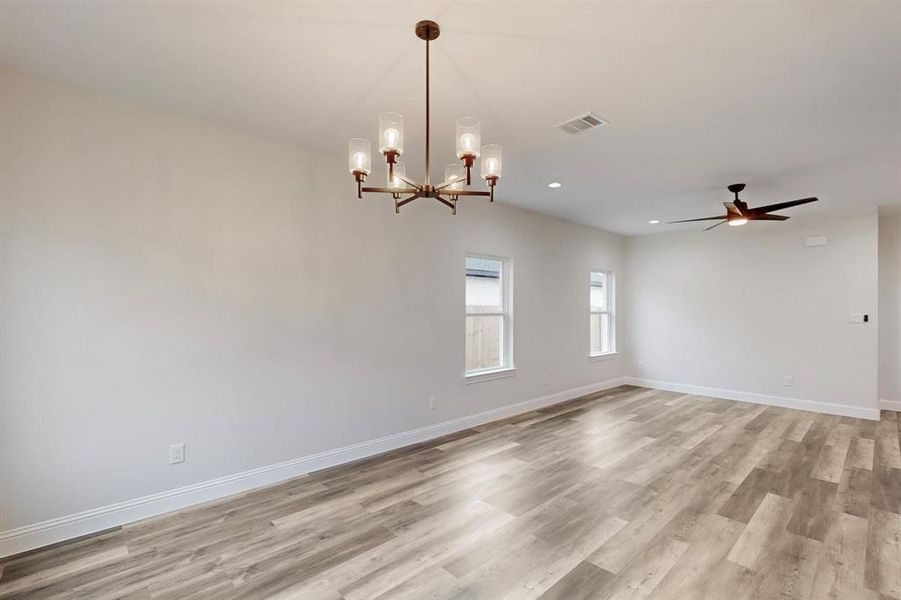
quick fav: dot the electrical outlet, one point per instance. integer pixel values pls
(433, 402)
(788, 381)
(176, 454)
(544, 379)
(640, 365)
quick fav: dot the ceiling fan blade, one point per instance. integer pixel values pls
(701, 219)
(774, 207)
(769, 218)
(732, 209)
(716, 225)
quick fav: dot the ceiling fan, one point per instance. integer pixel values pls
(738, 213)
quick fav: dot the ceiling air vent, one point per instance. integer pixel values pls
(581, 124)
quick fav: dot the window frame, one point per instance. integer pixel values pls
(507, 367)
(610, 276)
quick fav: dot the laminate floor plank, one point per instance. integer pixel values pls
(860, 453)
(883, 563)
(785, 569)
(767, 524)
(702, 569)
(627, 493)
(853, 496)
(743, 503)
(887, 446)
(583, 582)
(841, 570)
(832, 458)
(812, 510)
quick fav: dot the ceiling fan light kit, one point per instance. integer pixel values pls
(457, 177)
(738, 213)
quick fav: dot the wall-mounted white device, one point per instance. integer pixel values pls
(176, 454)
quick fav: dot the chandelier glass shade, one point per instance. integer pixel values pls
(360, 156)
(391, 133)
(457, 177)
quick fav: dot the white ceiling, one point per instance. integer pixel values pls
(793, 98)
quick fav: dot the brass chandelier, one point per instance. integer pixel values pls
(457, 177)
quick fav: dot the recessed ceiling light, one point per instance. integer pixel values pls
(554, 185)
(654, 221)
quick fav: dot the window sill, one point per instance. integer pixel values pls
(489, 375)
(604, 356)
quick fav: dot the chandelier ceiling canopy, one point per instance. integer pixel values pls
(457, 177)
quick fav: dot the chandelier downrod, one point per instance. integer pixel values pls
(427, 31)
(427, 116)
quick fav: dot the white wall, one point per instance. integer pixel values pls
(166, 280)
(890, 307)
(737, 310)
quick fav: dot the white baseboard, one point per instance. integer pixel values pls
(842, 410)
(894, 405)
(76, 525)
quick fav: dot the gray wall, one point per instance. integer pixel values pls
(739, 309)
(890, 307)
(165, 280)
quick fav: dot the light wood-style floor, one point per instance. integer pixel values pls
(632, 493)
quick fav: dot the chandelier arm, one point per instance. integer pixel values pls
(447, 203)
(407, 200)
(410, 182)
(470, 193)
(385, 190)
(444, 185)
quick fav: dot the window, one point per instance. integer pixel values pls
(600, 321)
(488, 329)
